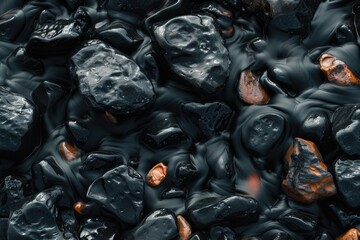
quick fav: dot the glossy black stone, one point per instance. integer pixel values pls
(346, 128)
(47, 173)
(233, 209)
(162, 223)
(344, 34)
(163, 131)
(194, 50)
(264, 133)
(116, 83)
(98, 228)
(298, 221)
(79, 133)
(40, 212)
(347, 178)
(11, 192)
(185, 173)
(210, 118)
(317, 128)
(120, 191)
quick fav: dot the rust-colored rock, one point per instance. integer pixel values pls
(184, 228)
(156, 175)
(79, 207)
(250, 90)
(68, 151)
(337, 71)
(307, 179)
(351, 234)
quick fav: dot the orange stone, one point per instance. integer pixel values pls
(250, 90)
(68, 151)
(337, 71)
(156, 175)
(184, 228)
(79, 207)
(351, 234)
(308, 178)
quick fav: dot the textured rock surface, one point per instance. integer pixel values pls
(120, 191)
(110, 80)
(194, 50)
(98, 228)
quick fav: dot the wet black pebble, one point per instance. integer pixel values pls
(120, 191)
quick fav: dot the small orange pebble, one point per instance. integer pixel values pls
(351, 234)
(68, 151)
(250, 90)
(337, 71)
(110, 117)
(184, 228)
(79, 207)
(156, 175)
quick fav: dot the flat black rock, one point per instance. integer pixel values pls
(263, 133)
(109, 80)
(347, 179)
(36, 219)
(120, 191)
(346, 128)
(194, 50)
(98, 228)
(160, 224)
(228, 209)
(298, 221)
(211, 118)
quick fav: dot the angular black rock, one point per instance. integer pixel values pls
(120, 35)
(11, 24)
(346, 128)
(109, 80)
(20, 60)
(317, 128)
(55, 38)
(136, 6)
(18, 125)
(163, 131)
(120, 191)
(11, 192)
(36, 219)
(98, 228)
(214, 210)
(221, 232)
(160, 224)
(185, 173)
(264, 133)
(47, 173)
(347, 179)
(298, 221)
(72, 4)
(211, 118)
(79, 133)
(194, 50)
(101, 161)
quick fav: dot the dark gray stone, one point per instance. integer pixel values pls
(109, 80)
(120, 191)
(194, 50)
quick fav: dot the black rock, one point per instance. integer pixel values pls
(232, 209)
(348, 218)
(173, 193)
(36, 219)
(20, 60)
(211, 118)
(47, 173)
(221, 232)
(120, 35)
(344, 34)
(12, 23)
(18, 125)
(68, 223)
(135, 6)
(109, 80)
(194, 50)
(346, 128)
(79, 133)
(46, 95)
(120, 191)
(11, 192)
(347, 178)
(98, 228)
(101, 161)
(263, 133)
(317, 128)
(163, 131)
(53, 38)
(160, 224)
(185, 173)
(298, 221)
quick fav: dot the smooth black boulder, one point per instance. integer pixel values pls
(120, 191)
(194, 50)
(160, 224)
(109, 80)
(347, 179)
